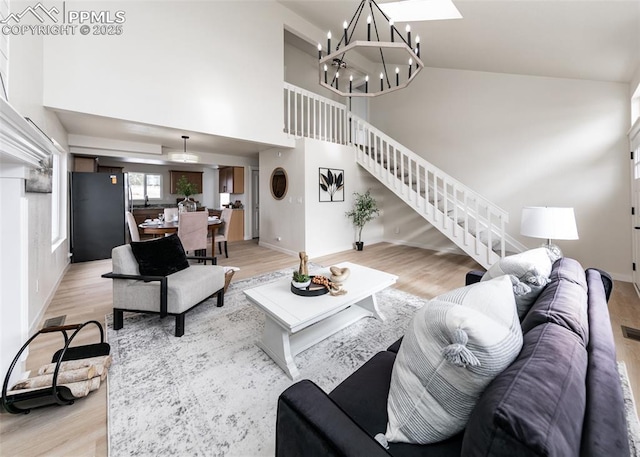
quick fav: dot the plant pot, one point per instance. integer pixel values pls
(301, 285)
(359, 245)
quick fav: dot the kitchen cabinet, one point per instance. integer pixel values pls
(194, 177)
(231, 180)
(236, 226)
(86, 164)
(107, 169)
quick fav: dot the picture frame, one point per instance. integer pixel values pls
(331, 185)
(40, 180)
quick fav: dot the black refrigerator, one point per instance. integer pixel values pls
(98, 202)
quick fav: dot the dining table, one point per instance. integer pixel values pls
(158, 227)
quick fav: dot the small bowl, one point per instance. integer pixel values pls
(301, 285)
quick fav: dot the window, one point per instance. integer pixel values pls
(58, 198)
(145, 184)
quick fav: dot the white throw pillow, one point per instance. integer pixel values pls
(529, 272)
(454, 346)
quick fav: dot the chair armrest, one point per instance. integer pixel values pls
(163, 286)
(607, 282)
(214, 260)
(473, 277)
(146, 278)
(310, 424)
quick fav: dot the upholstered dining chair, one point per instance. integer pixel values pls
(133, 227)
(170, 214)
(225, 217)
(192, 231)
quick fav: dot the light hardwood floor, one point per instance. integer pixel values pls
(81, 429)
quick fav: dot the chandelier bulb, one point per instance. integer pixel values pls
(366, 78)
(408, 28)
(329, 34)
(345, 25)
(417, 38)
(369, 19)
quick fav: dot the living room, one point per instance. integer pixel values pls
(520, 135)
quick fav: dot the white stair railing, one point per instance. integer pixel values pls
(474, 224)
(309, 115)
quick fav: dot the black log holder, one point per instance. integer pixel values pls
(24, 402)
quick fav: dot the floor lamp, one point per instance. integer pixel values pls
(549, 223)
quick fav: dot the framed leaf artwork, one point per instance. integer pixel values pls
(331, 185)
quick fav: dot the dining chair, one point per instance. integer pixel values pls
(192, 231)
(133, 227)
(170, 214)
(225, 217)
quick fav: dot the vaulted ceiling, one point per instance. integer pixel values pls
(581, 39)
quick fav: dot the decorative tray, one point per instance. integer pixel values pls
(312, 290)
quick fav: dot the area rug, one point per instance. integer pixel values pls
(630, 411)
(213, 392)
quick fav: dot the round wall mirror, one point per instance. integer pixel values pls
(279, 183)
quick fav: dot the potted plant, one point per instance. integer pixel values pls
(364, 209)
(300, 280)
(186, 188)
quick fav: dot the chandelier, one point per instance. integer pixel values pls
(378, 41)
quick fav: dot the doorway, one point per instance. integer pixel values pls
(255, 203)
(635, 220)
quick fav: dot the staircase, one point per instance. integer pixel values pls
(474, 224)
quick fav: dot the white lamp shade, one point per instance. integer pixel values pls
(549, 223)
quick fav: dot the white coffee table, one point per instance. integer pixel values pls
(294, 323)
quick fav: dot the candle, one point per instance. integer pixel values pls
(369, 28)
(325, 73)
(366, 84)
(381, 81)
(391, 26)
(319, 51)
(345, 25)
(410, 65)
(418, 45)
(397, 76)
(329, 42)
(337, 84)
(408, 29)
(350, 83)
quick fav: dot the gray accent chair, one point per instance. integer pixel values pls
(173, 295)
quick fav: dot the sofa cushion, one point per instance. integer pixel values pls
(569, 270)
(185, 289)
(604, 431)
(363, 396)
(537, 405)
(160, 257)
(454, 346)
(563, 303)
(529, 272)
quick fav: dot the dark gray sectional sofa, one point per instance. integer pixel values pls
(560, 397)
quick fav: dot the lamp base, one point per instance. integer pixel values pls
(555, 252)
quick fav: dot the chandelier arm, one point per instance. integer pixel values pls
(358, 12)
(375, 27)
(388, 20)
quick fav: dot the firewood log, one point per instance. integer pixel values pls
(78, 389)
(64, 377)
(75, 364)
(95, 383)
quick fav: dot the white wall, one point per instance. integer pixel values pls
(327, 229)
(202, 66)
(522, 140)
(300, 220)
(30, 266)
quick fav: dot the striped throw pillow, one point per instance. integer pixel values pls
(454, 346)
